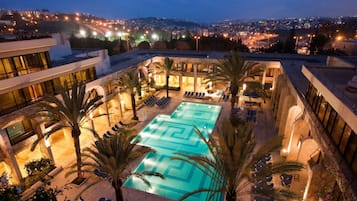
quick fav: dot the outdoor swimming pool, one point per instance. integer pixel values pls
(170, 134)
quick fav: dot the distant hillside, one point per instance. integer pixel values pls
(162, 22)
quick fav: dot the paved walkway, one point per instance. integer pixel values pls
(264, 130)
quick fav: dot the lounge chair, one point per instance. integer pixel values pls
(115, 128)
(102, 174)
(107, 135)
(123, 124)
(150, 101)
(185, 94)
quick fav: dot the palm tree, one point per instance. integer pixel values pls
(230, 164)
(234, 70)
(71, 110)
(131, 82)
(166, 67)
(111, 156)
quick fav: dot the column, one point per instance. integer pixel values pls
(44, 144)
(180, 81)
(10, 159)
(106, 110)
(194, 77)
(264, 76)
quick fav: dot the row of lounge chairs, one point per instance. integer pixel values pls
(116, 128)
(162, 101)
(192, 94)
(251, 115)
(108, 134)
(150, 101)
(262, 181)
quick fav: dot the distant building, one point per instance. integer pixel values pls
(347, 46)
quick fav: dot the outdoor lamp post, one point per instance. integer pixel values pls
(297, 41)
(197, 38)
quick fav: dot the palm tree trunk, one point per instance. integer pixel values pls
(119, 194)
(234, 91)
(233, 101)
(133, 105)
(231, 196)
(118, 191)
(75, 135)
(167, 85)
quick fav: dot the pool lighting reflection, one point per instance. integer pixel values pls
(151, 189)
(149, 135)
(149, 162)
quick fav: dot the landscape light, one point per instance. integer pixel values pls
(108, 34)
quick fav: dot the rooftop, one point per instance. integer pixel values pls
(336, 79)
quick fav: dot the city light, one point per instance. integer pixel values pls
(83, 33)
(94, 33)
(108, 34)
(154, 36)
(120, 34)
(339, 38)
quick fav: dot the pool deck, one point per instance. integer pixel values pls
(264, 130)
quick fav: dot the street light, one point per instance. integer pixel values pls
(94, 33)
(310, 40)
(297, 41)
(83, 33)
(154, 36)
(108, 34)
(197, 38)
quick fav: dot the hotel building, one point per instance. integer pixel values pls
(313, 101)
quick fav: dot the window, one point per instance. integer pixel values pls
(317, 103)
(322, 109)
(327, 115)
(338, 130)
(311, 94)
(189, 67)
(351, 148)
(269, 72)
(19, 131)
(7, 101)
(20, 65)
(344, 138)
(331, 121)
(48, 87)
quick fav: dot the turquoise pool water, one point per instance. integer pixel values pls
(170, 134)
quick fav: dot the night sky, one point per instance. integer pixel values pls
(197, 10)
